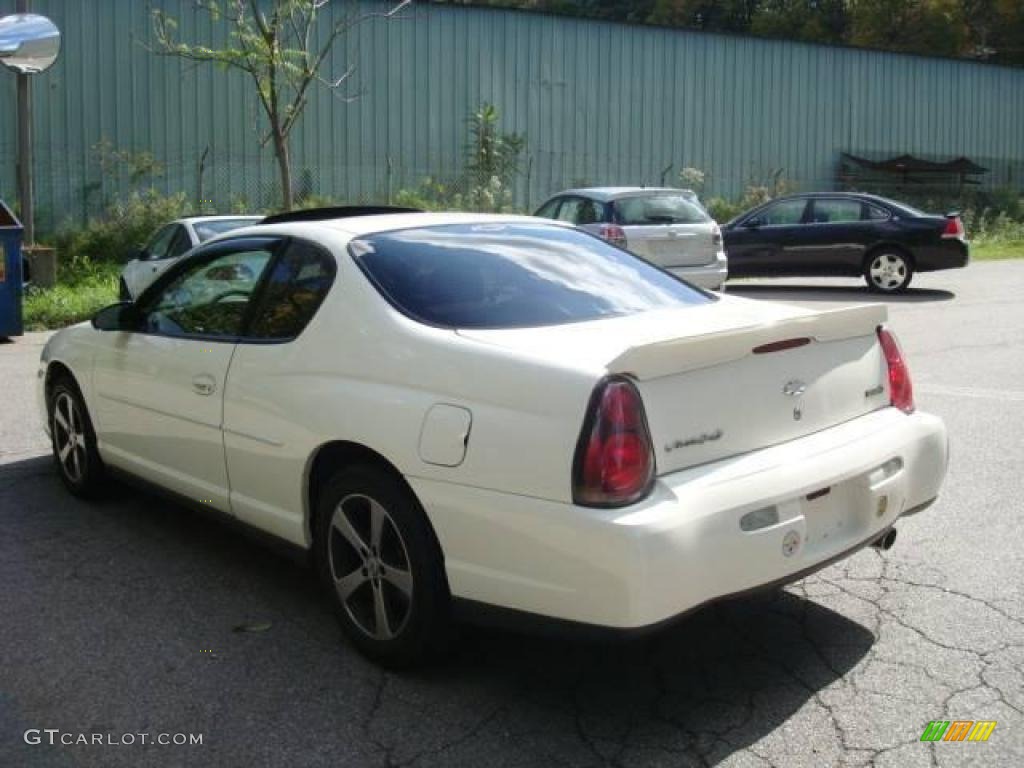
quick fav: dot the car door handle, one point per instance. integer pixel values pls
(204, 384)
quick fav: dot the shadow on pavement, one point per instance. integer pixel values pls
(116, 600)
(836, 293)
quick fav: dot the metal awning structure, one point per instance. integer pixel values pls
(912, 170)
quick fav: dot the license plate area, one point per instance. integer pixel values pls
(682, 251)
(830, 515)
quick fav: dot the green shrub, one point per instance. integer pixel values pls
(492, 163)
(723, 210)
(991, 226)
(693, 179)
(124, 226)
(429, 195)
(316, 201)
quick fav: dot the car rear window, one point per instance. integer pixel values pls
(645, 210)
(207, 229)
(499, 275)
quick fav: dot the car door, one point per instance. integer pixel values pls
(266, 438)
(834, 239)
(160, 387)
(762, 243)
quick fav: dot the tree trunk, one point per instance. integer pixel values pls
(285, 168)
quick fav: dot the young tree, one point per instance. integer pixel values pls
(492, 158)
(281, 46)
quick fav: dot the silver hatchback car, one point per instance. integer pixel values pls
(667, 227)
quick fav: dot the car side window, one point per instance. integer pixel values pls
(835, 211)
(783, 214)
(210, 297)
(550, 209)
(570, 209)
(874, 213)
(295, 287)
(159, 244)
(180, 245)
(588, 212)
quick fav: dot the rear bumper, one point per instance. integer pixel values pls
(949, 254)
(685, 545)
(710, 276)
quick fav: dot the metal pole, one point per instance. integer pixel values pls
(25, 192)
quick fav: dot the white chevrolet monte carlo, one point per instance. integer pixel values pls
(462, 414)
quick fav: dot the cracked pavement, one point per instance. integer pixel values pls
(118, 617)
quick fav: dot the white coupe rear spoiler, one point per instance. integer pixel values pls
(664, 358)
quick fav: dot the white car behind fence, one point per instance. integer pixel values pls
(171, 242)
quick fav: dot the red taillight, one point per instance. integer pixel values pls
(614, 463)
(614, 234)
(954, 228)
(901, 390)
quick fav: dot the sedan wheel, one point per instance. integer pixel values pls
(382, 565)
(888, 272)
(74, 442)
(370, 567)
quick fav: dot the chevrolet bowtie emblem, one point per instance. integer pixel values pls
(794, 388)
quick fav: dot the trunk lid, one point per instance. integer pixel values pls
(718, 398)
(706, 392)
(673, 245)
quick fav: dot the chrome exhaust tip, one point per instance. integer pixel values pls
(885, 541)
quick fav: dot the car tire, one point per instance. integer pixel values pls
(122, 290)
(377, 556)
(74, 441)
(888, 271)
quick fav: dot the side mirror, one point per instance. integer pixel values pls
(753, 223)
(134, 253)
(123, 316)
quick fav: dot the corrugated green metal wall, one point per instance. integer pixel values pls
(598, 103)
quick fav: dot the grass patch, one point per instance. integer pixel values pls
(82, 289)
(992, 250)
(90, 258)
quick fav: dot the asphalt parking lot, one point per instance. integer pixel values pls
(123, 617)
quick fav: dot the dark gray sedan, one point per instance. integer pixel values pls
(843, 234)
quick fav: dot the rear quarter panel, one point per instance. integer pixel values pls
(363, 373)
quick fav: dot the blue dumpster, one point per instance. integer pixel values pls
(10, 273)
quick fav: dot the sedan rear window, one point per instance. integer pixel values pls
(499, 275)
(207, 229)
(646, 210)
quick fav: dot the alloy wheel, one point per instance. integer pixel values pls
(69, 437)
(888, 271)
(370, 567)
